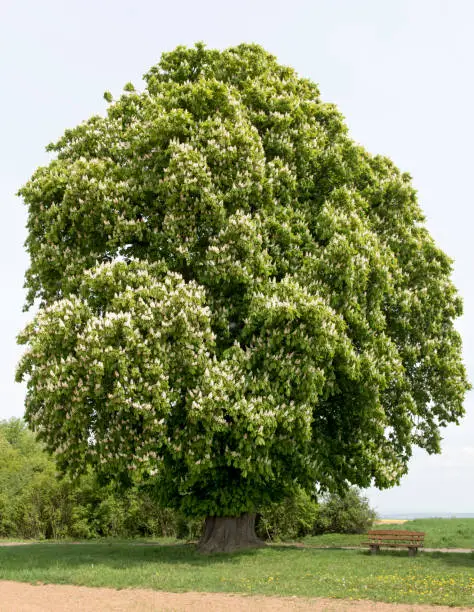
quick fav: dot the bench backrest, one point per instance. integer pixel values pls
(396, 535)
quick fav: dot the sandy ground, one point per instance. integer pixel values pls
(22, 597)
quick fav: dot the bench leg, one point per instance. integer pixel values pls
(374, 548)
(412, 552)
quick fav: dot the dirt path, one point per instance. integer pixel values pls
(289, 544)
(23, 597)
(390, 521)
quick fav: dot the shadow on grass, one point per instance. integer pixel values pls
(126, 556)
(452, 559)
(281, 547)
(111, 554)
(461, 560)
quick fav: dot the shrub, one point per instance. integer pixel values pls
(347, 512)
(292, 518)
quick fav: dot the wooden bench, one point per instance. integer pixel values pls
(394, 538)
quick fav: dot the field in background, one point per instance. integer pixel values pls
(440, 533)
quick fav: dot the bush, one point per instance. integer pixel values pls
(35, 503)
(292, 518)
(344, 513)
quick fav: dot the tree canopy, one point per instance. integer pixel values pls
(235, 298)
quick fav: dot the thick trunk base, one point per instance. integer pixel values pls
(228, 534)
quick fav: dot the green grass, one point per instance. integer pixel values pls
(334, 539)
(440, 533)
(434, 578)
(7, 540)
(443, 533)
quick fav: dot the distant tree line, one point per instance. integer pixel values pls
(37, 503)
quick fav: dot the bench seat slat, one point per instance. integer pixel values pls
(391, 545)
(396, 532)
(409, 539)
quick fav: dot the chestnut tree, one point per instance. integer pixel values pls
(234, 298)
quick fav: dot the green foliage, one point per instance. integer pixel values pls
(346, 512)
(300, 515)
(36, 503)
(27, 484)
(291, 518)
(236, 300)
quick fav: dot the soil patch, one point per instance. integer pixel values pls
(390, 521)
(23, 597)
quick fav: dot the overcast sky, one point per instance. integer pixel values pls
(399, 70)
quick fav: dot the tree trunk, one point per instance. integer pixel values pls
(229, 533)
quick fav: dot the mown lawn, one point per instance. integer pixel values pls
(434, 578)
(440, 533)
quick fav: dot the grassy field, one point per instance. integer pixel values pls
(435, 578)
(440, 533)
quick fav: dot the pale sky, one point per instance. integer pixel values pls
(399, 70)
